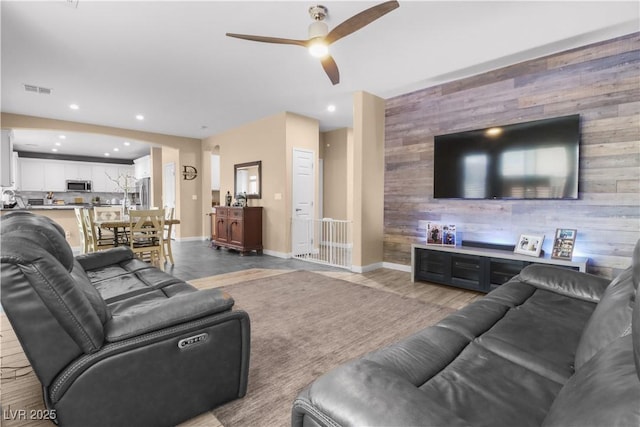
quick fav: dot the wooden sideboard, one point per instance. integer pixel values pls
(237, 228)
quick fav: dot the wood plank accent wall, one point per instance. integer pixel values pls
(601, 82)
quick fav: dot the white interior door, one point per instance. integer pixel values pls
(169, 189)
(303, 188)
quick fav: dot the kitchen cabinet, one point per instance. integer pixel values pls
(31, 175)
(238, 228)
(41, 175)
(102, 183)
(142, 167)
(52, 175)
(54, 178)
(6, 160)
(81, 171)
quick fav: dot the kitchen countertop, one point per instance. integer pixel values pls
(51, 207)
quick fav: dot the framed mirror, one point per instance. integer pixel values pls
(248, 179)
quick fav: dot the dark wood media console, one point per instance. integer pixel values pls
(477, 269)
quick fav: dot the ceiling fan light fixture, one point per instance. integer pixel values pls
(318, 48)
(318, 29)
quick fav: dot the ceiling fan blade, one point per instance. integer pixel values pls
(331, 68)
(358, 21)
(302, 43)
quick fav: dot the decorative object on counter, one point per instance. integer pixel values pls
(126, 183)
(189, 173)
(8, 198)
(228, 199)
(441, 234)
(564, 243)
(529, 244)
(241, 200)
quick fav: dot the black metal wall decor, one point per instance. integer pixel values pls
(189, 172)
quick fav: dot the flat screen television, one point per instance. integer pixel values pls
(531, 160)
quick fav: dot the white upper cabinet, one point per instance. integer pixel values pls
(142, 167)
(52, 175)
(31, 175)
(78, 171)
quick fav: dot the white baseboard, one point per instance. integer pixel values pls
(399, 267)
(276, 254)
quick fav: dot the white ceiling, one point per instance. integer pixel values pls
(171, 60)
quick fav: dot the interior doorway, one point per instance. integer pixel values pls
(303, 194)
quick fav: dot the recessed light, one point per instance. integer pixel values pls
(127, 143)
(54, 149)
(58, 144)
(62, 136)
(107, 154)
(139, 117)
(74, 106)
(116, 149)
(331, 108)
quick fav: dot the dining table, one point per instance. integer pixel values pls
(119, 227)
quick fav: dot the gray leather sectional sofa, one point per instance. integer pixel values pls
(113, 340)
(552, 347)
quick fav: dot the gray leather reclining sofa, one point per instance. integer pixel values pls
(113, 340)
(552, 347)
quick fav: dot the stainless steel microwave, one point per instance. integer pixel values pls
(82, 186)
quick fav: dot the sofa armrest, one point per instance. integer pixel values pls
(140, 319)
(564, 281)
(365, 393)
(101, 259)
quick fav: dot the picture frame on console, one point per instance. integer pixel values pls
(434, 233)
(563, 243)
(441, 234)
(529, 244)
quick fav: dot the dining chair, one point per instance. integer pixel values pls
(146, 235)
(95, 240)
(82, 230)
(168, 228)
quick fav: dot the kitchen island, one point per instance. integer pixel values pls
(62, 214)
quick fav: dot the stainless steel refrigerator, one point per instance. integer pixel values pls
(143, 188)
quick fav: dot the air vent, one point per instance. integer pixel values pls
(38, 89)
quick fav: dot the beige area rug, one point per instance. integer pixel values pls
(304, 324)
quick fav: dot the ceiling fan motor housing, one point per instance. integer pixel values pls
(318, 12)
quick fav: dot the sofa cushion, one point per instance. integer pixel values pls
(541, 334)
(604, 392)
(84, 284)
(610, 320)
(485, 389)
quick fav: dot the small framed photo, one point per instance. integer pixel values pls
(449, 234)
(434, 233)
(563, 243)
(529, 244)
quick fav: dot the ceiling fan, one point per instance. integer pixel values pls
(320, 37)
